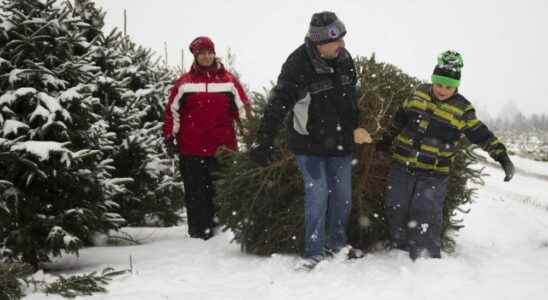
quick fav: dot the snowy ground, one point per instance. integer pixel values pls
(502, 253)
(536, 167)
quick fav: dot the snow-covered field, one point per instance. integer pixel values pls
(502, 253)
(532, 166)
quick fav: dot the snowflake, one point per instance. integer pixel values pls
(424, 228)
(412, 224)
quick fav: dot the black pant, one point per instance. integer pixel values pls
(198, 180)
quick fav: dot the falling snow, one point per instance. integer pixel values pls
(412, 224)
(423, 228)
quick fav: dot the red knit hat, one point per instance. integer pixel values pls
(201, 43)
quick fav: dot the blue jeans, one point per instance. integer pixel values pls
(328, 199)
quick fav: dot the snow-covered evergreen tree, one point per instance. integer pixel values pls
(131, 89)
(56, 186)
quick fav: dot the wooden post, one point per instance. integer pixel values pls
(125, 22)
(183, 60)
(165, 52)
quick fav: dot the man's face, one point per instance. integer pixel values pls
(331, 50)
(205, 58)
(442, 92)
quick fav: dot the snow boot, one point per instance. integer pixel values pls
(309, 263)
(354, 253)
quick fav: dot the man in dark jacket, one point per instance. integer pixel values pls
(423, 139)
(317, 87)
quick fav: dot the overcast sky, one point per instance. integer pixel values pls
(504, 43)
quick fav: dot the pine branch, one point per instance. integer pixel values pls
(83, 285)
(11, 276)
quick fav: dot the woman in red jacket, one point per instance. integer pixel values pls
(199, 117)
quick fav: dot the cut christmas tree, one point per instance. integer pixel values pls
(264, 207)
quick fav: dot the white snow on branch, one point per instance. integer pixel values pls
(132, 69)
(89, 68)
(53, 81)
(51, 103)
(6, 25)
(68, 239)
(128, 94)
(7, 98)
(15, 75)
(74, 211)
(13, 126)
(54, 231)
(43, 149)
(114, 217)
(84, 44)
(35, 21)
(40, 111)
(4, 62)
(75, 92)
(143, 92)
(7, 110)
(105, 80)
(120, 180)
(24, 91)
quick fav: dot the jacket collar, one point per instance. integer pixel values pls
(319, 64)
(216, 68)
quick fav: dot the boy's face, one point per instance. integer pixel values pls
(331, 50)
(442, 92)
(205, 58)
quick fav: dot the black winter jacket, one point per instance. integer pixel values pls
(320, 97)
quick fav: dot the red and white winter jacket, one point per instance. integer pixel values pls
(201, 109)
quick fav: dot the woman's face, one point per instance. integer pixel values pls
(205, 58)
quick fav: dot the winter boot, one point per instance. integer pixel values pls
(309, 263)
(354, 253)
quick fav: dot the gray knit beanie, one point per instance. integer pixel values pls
(325, 27)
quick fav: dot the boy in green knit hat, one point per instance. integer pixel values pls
(423, 140)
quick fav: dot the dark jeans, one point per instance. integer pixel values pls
(328, 198)
(414, 210)
(198, 180)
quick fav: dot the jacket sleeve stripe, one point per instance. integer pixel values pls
(174, 108)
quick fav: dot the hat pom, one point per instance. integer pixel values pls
(448, 69)
(451, 60)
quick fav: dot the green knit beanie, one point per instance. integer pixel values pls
(448, 69)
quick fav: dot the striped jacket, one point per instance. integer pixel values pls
(427, 130)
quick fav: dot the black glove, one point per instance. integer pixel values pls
(171, 146)
(262, 155)
(507, 166)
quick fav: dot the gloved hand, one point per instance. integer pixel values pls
(507, 166)
(262, 154)
(171, 146)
